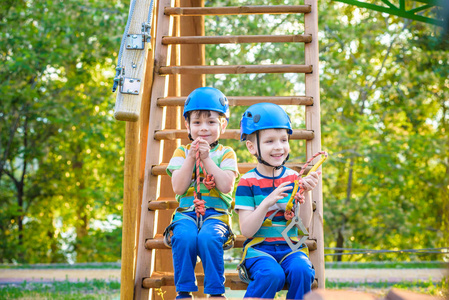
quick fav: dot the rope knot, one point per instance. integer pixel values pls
(209, 181)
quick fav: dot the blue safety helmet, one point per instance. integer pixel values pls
(264, 116)
(207, 98)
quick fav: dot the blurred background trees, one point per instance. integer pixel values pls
(384, 101)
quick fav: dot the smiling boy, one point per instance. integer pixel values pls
(202, 228)
(268, 262)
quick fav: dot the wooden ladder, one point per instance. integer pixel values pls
(170, 74)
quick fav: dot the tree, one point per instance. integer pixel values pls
(54, 75)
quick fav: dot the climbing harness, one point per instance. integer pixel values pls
(287, 229)
(199, 206)
(298, 191)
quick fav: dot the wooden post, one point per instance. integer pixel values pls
(151, 184)
(128, 109)
(313, 122)
(129, 211)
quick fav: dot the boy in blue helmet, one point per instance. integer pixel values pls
(201, 223)
(268, 262)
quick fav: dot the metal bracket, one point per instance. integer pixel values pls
(135, 42)
(130, 86)
(297, 222)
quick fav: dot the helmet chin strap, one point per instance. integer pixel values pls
(260, 159)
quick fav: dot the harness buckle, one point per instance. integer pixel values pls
(297, 222)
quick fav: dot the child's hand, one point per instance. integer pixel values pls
(278, 194)
(310, 181)
(193, 149)
(204, 148)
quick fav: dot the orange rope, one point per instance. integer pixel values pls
(208, 181)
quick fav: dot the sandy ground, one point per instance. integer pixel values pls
(343, 275)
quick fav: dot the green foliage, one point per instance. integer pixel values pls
(61, 149)
(384, 90)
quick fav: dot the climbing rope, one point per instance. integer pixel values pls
(208, 181)
(298, 189)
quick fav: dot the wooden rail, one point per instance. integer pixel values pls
(237, 39)
(243, 168)
(238, 10)
(161, 279)
(170, 203)
(235, 69)
(245, 100)
(158, 243)
(172, 134)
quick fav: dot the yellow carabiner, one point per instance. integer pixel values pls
(296, 187)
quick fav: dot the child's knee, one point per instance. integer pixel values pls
(274, 277)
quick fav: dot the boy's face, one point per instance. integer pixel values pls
(274, 146)
(208, 125)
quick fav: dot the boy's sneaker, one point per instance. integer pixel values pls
(218, 296)
(184, 295)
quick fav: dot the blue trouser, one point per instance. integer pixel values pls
(207, 243)
(268, 274)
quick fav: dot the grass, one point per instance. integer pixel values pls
(62, 290)
(103, 265)
(110, 290)
(387, 265)
(427, 287)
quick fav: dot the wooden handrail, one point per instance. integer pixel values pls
(158, 243)
(245, 100)
(161, 279)
(237, 39)
(235, 69)
(161, 170)
(237, 10)
(171, 203)
(172, 134)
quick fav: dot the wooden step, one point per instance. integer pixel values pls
(243, 168)
(158, 243)
(244, 100)
(234, 69)
(173, 134)
(170, 203)
(237, 39)
(161, 279)
(238, 10)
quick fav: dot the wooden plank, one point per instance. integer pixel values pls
(127, 106)
(161, 169)
(238, 10)
(235, 69)
(164, 203)
(238, 39)
(245, 100)
(151, 189)
(158, 243)
(313, 122)
(172, 134)
(161, 279)
(129, 210)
